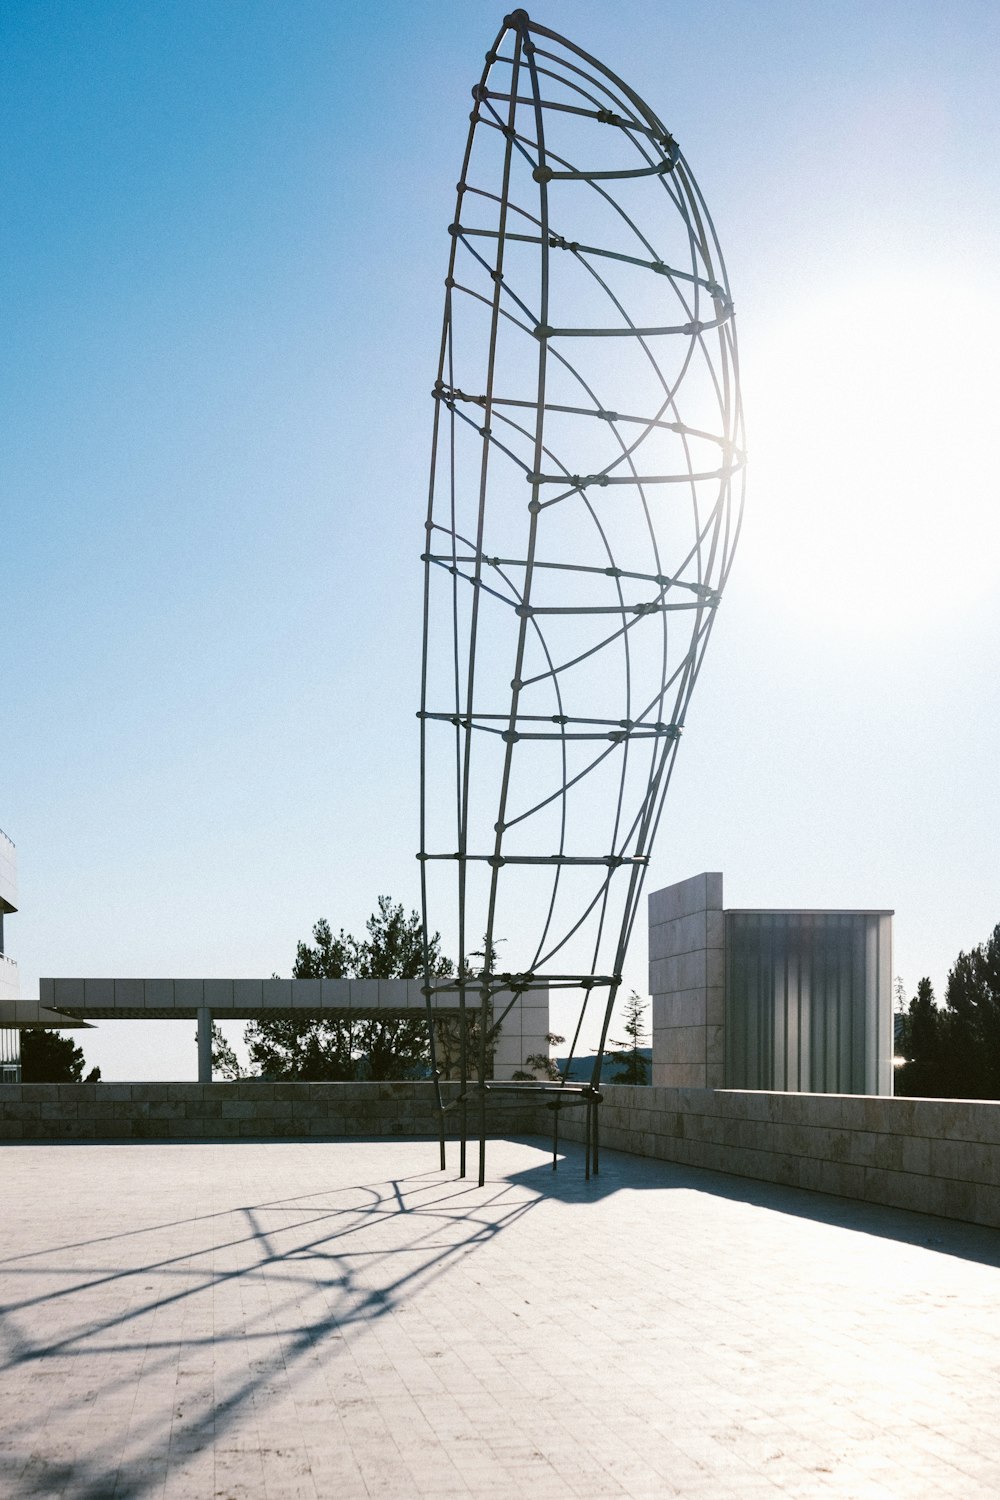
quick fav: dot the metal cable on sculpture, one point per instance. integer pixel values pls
(585, 495)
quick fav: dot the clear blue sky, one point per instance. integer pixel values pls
(223, 243)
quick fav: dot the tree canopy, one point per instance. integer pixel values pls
(953, 1051)
(48, 1057)
(627, 1055)
(345, 1048)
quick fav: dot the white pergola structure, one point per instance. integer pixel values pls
(522, 1031)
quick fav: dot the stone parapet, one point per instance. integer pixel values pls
(211, 1111)
(936, 1156)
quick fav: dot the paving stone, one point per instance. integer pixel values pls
(295, 1320)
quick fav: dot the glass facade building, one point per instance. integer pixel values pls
(809, 1001)
(788, 1000)
(10, 1055)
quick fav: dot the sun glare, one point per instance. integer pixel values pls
(871, 412)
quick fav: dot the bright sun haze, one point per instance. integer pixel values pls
(873, 407)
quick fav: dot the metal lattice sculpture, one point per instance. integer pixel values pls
(586, 487)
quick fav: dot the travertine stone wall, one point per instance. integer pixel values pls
(687, 976)
(938, 1156)
(522, 1032)
(198, 1111)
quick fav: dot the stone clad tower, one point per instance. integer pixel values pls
(793, 1001)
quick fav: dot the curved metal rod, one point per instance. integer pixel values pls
(511, 591)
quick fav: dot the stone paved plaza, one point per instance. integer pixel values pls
(321, 1319)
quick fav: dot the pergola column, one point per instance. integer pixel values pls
(204, 1044)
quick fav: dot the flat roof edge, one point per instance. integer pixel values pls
(811, 911)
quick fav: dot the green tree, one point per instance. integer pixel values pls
(953, 1052)
(224, 1059)
(922, 1044)
(448, 1041)
(972, 1021)
(448, 1028)
(344, 1048)
(632, 1066)
(47, 1057)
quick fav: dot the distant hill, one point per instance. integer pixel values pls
(582, 1067)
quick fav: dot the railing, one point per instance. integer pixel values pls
(8, 838)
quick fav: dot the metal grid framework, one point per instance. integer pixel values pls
(586, 489)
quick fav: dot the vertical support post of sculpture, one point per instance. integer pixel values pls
(463, 1045)
(484, 1010)
(435, 1070)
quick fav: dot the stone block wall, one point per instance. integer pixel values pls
(522, 1033)
(937, 1156)
(259, 1111)
(687, 976)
